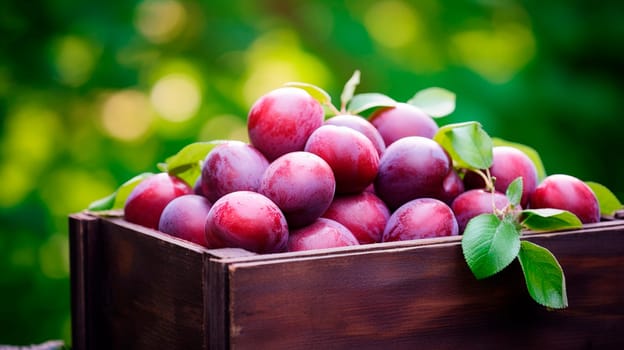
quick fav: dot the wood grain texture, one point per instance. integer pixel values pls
(426, 297)
(216, 290)
(81, 227)
(146, 292)
(135, 288)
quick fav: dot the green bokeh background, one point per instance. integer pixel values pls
(94, 92)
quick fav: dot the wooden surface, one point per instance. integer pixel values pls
(426, 297)
(136, 288)
(138, 291)
(81, 227)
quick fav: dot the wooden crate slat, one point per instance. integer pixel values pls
(81, 227)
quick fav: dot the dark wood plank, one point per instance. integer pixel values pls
(80, 227)
(155, 291)
(425, 296)
(216, 314)
(147, 290)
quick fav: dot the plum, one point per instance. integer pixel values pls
(148, 199)
(349, 153)
(232, 166)
(248, 220)
(420, 218)
(473, 181)
(508, 163)
(197, 187)
(364, 214)
(281, 121)
(475, 202)
(185, 217)
(370, 188)
(560, 191)
(302, 185)
(322, 233)
(452, 186)
(412, 167)
(403, 120)
(362, 125)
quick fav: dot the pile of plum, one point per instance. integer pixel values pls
(306, 182)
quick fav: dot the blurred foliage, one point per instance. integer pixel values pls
(95, 92)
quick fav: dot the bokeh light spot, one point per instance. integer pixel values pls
(18, 183)
(32, 132)
(54, 256)
(69, 189)
(160, 20)
(277, 58)
(126, 115)
(74, 60)
(224, 127)
(176, 97)
(393, 23)
(29, 143)
(496, 55)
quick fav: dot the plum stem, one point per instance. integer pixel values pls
(343, 108)
(489, 182)
(333, 108)
(487, 179)
(489, 186)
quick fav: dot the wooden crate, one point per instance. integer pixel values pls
(135, 288)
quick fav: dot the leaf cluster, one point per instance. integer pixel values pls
(492, 241)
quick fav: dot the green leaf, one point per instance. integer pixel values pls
(349, 89)
(468, 144)
(514, 191)
(362, 102)
(435, 101)
(544, 276)
(105, 203)
(530, 152)
(608, 202)
(186, 164)
(548, 219)
(316, 92)
(117, 199)
(490, 244)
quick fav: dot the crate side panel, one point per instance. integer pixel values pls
(593, 264)
(149, 291)
(402, 297)
(427, 297)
